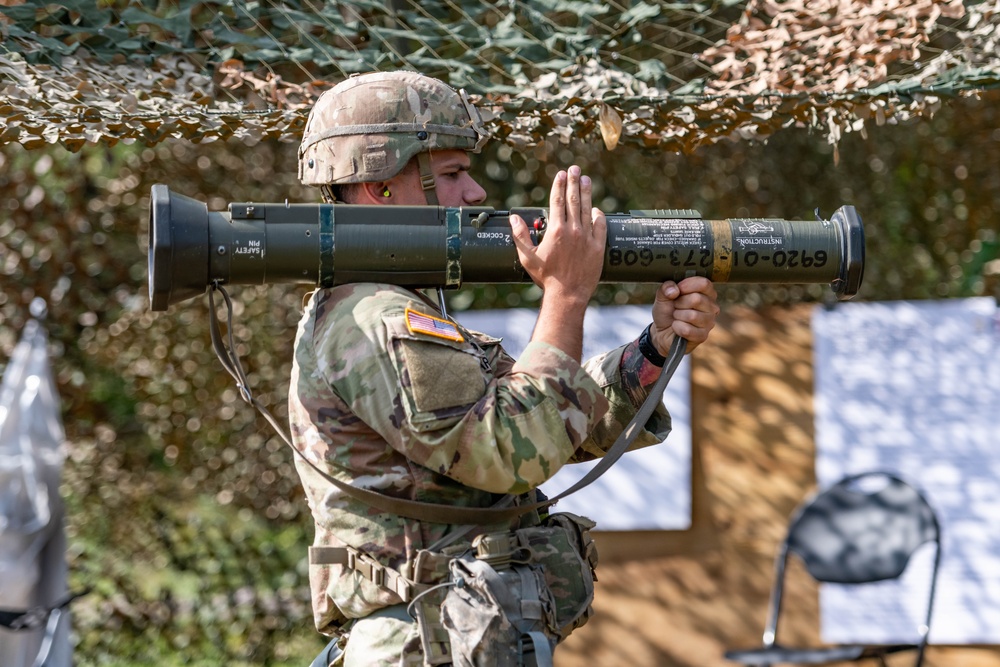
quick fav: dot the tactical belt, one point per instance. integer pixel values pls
(419, 574)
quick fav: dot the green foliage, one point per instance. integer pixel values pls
(185, 511)
(201, 584)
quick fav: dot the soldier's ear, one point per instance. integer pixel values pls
(376, 193)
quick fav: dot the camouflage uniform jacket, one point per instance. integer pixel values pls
(384, 405)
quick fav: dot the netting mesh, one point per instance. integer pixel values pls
(665, 75)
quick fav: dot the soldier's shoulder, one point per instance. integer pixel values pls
(361, 302)
(350, 321)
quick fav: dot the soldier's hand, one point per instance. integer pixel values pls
(567, 263)
(687, 309)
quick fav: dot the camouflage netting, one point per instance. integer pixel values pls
(651, 73)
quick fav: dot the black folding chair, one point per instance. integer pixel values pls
(861, 530)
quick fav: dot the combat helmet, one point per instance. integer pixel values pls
(368, 127)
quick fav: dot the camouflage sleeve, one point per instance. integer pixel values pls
(431, 393)
(625, 377)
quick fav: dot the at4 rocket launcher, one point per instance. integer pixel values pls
(191, 248)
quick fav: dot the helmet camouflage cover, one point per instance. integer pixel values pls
(368, 127)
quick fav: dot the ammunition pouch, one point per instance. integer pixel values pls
(513, 599)
(567, 555)
(498, 617)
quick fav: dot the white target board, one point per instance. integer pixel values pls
(914, 388)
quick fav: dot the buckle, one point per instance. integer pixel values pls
(497, 549)
(404, 589)
(482, 134)
(377, 574)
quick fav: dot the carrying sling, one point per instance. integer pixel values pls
(499, 512)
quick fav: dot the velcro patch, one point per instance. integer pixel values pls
(375, 160)
(418, 322)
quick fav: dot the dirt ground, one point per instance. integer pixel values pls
(681, 598)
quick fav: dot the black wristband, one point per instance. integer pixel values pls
(649, 350)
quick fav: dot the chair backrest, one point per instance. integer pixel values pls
(862, 529)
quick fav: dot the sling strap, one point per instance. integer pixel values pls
(501, 511)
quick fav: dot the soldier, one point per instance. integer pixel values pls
(390, 394)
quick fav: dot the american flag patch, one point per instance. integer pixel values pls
(417, 322)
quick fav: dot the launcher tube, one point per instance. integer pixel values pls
(429, 246)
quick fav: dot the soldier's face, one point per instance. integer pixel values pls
(455, 186)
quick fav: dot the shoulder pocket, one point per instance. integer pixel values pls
(440, 378)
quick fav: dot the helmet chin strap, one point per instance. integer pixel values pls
(427, 178)
(327, 193)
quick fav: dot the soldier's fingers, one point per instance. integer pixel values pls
(520, 234)
(600, 224)
(697, 303)
(668, 291)
(557, 200)
(698, 284)
(586, 202)
(574, 216)
(693, 333)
